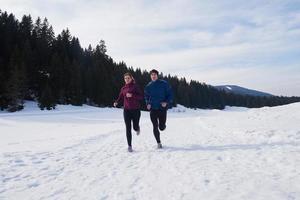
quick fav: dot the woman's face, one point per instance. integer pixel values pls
(127, 79)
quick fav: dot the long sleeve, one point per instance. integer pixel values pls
(121, 97)
(138, 94)
(169, 94)
(147, 95)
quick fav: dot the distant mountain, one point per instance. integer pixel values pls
(240, 90)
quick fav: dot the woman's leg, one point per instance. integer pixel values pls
(136, 119)
(127, 119)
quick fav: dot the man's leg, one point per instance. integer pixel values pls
(127, 119)
(162, 119)
(154, 120)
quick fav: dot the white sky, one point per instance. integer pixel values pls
(253, 44)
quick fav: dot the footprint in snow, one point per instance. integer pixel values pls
(219, 158)
(206, 181)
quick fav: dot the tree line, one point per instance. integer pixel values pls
(37, 65)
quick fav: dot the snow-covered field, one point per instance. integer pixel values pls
(81, 153)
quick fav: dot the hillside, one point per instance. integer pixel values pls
(242, 91)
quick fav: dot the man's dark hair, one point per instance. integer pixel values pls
(154, 71)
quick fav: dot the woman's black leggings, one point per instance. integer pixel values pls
(134, 116)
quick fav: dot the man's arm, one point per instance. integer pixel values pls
(147, 95)
(169, 94)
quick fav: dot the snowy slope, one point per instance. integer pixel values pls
(80, 153)
(241, 90)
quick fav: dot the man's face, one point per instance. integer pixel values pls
(154, 76)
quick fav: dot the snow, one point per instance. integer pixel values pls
(80, 153)
(229, 88)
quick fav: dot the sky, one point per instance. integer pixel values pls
(253, 44)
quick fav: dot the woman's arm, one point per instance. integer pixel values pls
(120, 98)
(138, 94)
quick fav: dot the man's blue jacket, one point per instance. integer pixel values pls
(156, 92)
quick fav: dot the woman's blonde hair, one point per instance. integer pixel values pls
(128, 74)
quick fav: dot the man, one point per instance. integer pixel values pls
(158, 97)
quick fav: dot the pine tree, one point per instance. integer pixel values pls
(16, 85)
(76, 97)
(46, 99)
(101, 47)
(26, 28)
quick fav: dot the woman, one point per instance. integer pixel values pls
(130, 95)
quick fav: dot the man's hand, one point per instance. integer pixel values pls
(148, 106)
(164, 104)
(115, 104)
(128, 94)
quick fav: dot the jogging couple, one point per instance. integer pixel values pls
(158, 97)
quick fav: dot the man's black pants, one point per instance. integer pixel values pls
(158, 119)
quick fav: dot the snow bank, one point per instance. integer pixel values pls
(80, 153)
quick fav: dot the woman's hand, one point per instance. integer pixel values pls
(128, 94)
(115, 104)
